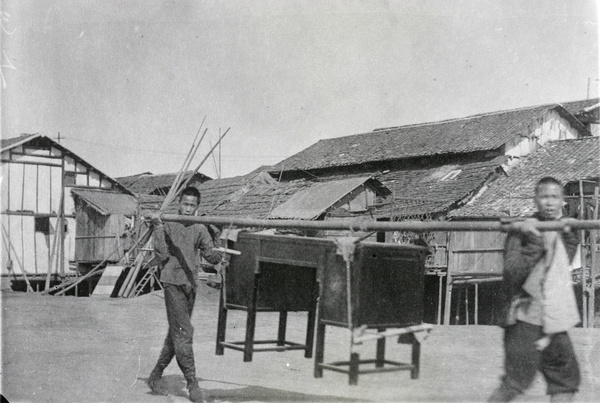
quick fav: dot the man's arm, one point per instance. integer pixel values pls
(523, 250)
(161, 249)
(206, 246)
(571, 239)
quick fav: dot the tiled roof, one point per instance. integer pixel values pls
(430, 190)
(566, 160)
(577, 107)
(474, 133)
(147, 183)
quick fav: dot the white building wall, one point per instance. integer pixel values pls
(550, 127)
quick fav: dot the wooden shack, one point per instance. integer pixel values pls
(39, 176)
(105, 223)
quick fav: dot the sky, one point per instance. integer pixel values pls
(128, 83)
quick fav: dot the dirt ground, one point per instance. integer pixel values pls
(68, 349)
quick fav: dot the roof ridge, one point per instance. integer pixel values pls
(585, 138)
(435, 122)
(467, 117)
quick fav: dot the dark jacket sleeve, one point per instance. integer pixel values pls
(521, 253)
(161, 249)
(206, 246)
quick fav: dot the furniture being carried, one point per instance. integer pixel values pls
(273, 273)
(376, 291)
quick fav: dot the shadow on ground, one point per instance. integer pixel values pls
(232, 392)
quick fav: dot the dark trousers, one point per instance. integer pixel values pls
(179, 300)
(557, 361)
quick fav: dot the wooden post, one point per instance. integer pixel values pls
(594, 263)
(448, 299)
(440, 286)
(476, 304)
(57, 235)
(583, 274)
(62, 237)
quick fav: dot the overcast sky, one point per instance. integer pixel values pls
(127, 83)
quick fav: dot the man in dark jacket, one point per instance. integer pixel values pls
(538, 304)
(175, 245)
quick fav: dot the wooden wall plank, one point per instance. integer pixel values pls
(55, 189)
(28, 257)
(4, 183)
(15, 186)
(29, 187)
(43, 190)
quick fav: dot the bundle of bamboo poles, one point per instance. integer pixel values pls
(144, 241)
(128, 289)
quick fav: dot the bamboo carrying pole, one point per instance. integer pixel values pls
(381, 226)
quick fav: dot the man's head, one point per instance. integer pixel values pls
(549, 197)
(189, 201)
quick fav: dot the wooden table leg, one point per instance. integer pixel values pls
(251, 323)
(416, 358)
(282, 327)
(380, 357)
(221, 326)
(354, 361)
(310, 326)
(319, 350)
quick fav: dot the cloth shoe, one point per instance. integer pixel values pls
(156, 385)
(196, 394)
(503, 394)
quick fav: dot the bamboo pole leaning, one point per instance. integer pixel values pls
(64, 287)
(10, 247)
(179, 183)
(180, 188)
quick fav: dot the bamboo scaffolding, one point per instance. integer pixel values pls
(414, 226)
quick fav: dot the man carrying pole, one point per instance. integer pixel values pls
(175, 245)
(539, 305)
